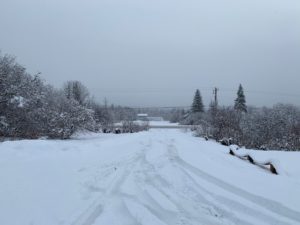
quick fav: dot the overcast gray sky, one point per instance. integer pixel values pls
(157, 52)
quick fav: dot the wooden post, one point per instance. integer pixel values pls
(272, 169)
(252, 161)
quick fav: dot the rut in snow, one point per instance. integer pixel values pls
(164, 200)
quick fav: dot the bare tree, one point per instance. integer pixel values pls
(77, 91)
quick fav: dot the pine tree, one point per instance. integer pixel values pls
(197, 105)
(240, 101)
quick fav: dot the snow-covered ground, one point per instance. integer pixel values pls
(164, 124)
(162, 176)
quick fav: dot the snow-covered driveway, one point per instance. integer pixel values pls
(157, 177)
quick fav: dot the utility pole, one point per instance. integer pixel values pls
(215, 93)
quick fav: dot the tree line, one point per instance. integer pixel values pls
(276, 127)
(30, 108)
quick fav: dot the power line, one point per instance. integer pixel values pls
(263, 92)
(206, 89)
(164, 107)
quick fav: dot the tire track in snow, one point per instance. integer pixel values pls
(201, 196)
(236, 206)
(94, 211)
(90, 215)
(225, 205)
(192, 207)
(143, 198)
(269, 205)
(193, 204)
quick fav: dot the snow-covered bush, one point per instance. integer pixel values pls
(193, 118)
(260, 128)
(29, 108)
(272, 128)
(68, 117)
(225, 124)
(133, 127)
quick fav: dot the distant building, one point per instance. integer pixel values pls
(142, 116)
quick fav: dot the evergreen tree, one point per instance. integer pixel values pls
(197, 105)
(240, 101)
